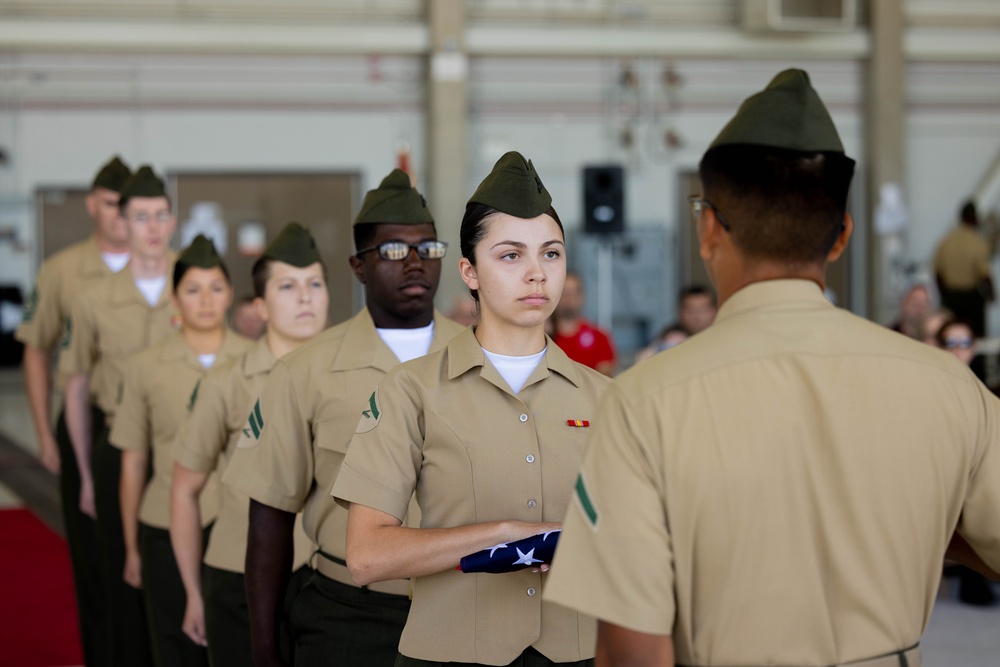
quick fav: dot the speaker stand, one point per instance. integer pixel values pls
(605, 289)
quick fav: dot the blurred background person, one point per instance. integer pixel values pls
(671, 336)
(582, 341)
(914, 307)
(930, 324)
(695, 309)
(956, 337)
(463, 310)
(962, 271)
(246, 320)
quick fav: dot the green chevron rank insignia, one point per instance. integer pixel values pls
(194, 396)
(370, 416)
(586, 504)
(255, 425)
(67, 334)
(31, 307)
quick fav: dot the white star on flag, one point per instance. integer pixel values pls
(526, 558)
(499, 546)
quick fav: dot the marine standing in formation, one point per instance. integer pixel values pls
(299, 429)
(489, 434)
(781, 489)
(117, 317)
(161, 384)
(292, 298)
(60, 281)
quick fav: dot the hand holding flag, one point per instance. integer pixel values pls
(529, 552)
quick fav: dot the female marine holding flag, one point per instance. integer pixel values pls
(489, 433)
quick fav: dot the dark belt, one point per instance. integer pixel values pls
(906, 657)
(336, 568)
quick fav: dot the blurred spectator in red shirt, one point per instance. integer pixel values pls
(582, 341)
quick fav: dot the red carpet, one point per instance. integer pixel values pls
(38, 625)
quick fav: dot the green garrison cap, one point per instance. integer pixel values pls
(394, 202)
(787, 114)
(144, 183)
(514, 188)
(294, 245)
(200, 253)
(112, 176)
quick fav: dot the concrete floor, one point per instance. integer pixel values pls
(958, 635)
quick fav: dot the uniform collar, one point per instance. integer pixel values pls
(364, 348)
(769, 293)
(175, 348)
(92, 264)
(124, 290)
(465, 353)
(258, 360)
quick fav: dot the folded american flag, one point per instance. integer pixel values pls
(529, 552)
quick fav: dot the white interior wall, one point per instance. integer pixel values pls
(63, 115)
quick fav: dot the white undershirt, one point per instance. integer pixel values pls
(408, 344)
(515, 370)
(115, 261)
(151, 288)
(206, 360)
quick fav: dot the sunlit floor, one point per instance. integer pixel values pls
(958, 635)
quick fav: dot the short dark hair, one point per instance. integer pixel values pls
(363, 236)
(695, 290)
(951, 321)
(782, 205)
(180, 268)
(474, 229)
(261, 273)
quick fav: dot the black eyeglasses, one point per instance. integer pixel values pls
(697, 204)
(394, 251)
(958, 343)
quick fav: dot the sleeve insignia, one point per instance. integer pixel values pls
(194, 396)
(370, 416)
(31, 307)
(67, 334)
(586, 504)
(253, 429)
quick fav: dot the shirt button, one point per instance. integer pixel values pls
(523, 418)
(531, 591)
(530, 458)
(531, 504)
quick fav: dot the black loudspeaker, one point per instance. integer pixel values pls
(604, 199)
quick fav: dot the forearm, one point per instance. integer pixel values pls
(38, 386)
(133, 481)
(268, 567)
(379, 548)
(621, 647)
(78, 422)
(185, 526)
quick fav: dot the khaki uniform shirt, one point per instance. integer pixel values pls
(61, 278)
(110, 322)
(298, 431)
(161, 386)
(206, 443)
(449, 427)
(781, 488)
(962, 259)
